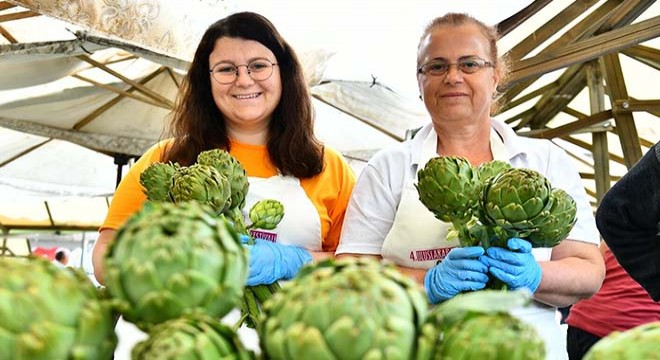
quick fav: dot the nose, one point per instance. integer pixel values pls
(243, 77)
(453, 74)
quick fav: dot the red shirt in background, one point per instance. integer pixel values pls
(620, 304)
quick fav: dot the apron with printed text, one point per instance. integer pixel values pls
(418, 240)
(301, 224)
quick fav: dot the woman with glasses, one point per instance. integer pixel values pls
(458, 74)
(245, 93)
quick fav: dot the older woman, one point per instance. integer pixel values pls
(245, 93)
(458, 73)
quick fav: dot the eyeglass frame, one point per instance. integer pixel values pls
(486, 63)
(247, 68)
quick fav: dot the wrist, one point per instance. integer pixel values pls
(295, 258)
(430, 287)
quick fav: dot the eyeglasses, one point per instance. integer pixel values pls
(466, 66)
(226, 73)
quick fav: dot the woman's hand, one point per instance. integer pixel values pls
(270, 262)
(515, 266)
(460, 271)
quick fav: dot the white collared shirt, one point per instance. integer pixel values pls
(376, 195)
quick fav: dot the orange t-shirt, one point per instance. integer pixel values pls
(329, 191)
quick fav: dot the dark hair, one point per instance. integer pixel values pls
(60, 255)
(198, 124)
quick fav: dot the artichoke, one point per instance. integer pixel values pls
(477, 325)
(228, 166)
(641, 342)
(266, 214)
(344, 309)
(448, 187)
(489, 169)
(201, 183)
(52, 313)
(515, 201)
(157, 180)
(191, 337)
(557, 223)
(171, 259)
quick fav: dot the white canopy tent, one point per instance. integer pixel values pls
(89, 83)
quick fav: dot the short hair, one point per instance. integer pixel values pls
(489, 32)
(60, 254)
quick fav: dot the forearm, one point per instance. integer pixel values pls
(100, 248)
(415, 274)
(322, 255)
(565, 281)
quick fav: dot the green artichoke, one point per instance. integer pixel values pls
(201, 183)
(448, 186)
(266, 214)
(191, 337)
(516, 201)
(52, 313)
(477, 325)
(489, 169)
(641, 342)
(344, 309)
(156, 180)
(228, 166)
(557, 223)
(171, 259)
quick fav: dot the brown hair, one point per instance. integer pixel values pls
(198, 124)
(489, 32)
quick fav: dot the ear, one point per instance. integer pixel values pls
(497, 76)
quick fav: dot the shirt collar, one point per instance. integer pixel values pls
(424, 144)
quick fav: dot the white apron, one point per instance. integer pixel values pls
(418, 240)
(301, 224)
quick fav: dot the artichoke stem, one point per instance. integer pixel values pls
(464, 236)
(236, 217)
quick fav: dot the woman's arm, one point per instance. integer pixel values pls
(106, 236)
(415, 274)
(575, 271)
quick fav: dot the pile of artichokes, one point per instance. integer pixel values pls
(175, 269)
(52, 313)
(360, 308)
(219, 180)
(493, 202)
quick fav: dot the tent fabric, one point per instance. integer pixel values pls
(375, 104)
(145, 23)
(60, 213)
(51, 94)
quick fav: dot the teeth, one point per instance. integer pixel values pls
(251, 96)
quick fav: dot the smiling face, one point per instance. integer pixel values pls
(457, 96)
(245, 103)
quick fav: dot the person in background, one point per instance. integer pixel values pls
(61, 257)
(245, 92)
(628, 219)
(458, 74)
(619, 305)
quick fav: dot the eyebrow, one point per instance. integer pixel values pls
(249, 61)
(465, 57)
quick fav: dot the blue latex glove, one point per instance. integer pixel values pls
(271, 261)
(515, 266)
(460, 271)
